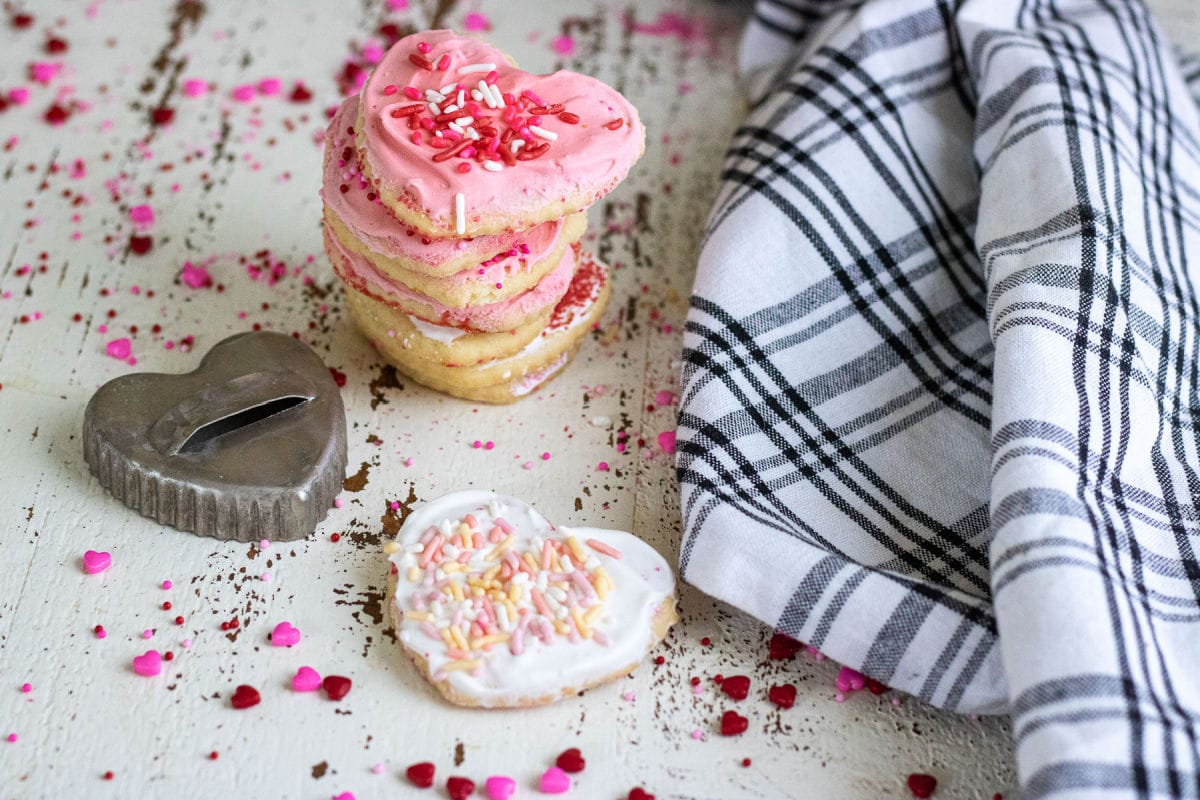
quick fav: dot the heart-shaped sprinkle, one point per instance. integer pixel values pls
(850, 680)
(875, 687)
(571, 760)
(733, 723)
(245, 696)
(921, 785)
(336, 686)
(148, 664)
(736, 686)
(638, 793)
(95, 562)
(306, 679)
(421, 774)
(783, 647)
(459, 788)
(500, 787)
(783, 696)
(285, 635)
(554, 781)
(344, 796)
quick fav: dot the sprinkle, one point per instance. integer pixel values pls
(420, 61)
(423, 48)
(244, 93)
(460, 217)
(148, 633)
(613, 125)
(480, 67)
(166, 584)
(411, 92)
(542, 132)
(119, 348)
(444, 62)
(448, 88)
(100, 632)
(554, 781)
(264, 544)
(493, 166)
(27, 687)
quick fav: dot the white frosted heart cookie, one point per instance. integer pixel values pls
(501, 609)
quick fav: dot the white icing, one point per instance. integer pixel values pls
(439, 333)
(621, 634)
(532, 380)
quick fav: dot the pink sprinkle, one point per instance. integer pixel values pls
(119, 348)
(423, 48)
(849, 680)
(839, 697)
(664, 397)
(602, 466)
(411, 92)
(601, 547)
(338, 502)
(372, 54)
(19, 96)
(26, 687)
(500, 787)
(194, 87)
(264, 544)
(666, 440)
(186, 644)
(398, 5)
(698, 689)
(444, 63)
(563, 45)
(379, 768)
(408, 462)
(167, 584)
(554, 781)
(243, 94)
(527, 465)
(488, 445)
(476, 22)
(43, 71)
(698, 734)
(270, 86)
(100, 632)
(195, 275)
(391, 89)
(477, 444)
(545, 456)
(12, 737)
(148, 633)
(628, 696)
(265, 577)
(344, 796)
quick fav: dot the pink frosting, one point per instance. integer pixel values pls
(372, 222)
(505, 315)
(586, 160)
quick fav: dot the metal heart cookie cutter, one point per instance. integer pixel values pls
(250, 445)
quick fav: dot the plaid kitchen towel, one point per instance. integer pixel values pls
(939, 414)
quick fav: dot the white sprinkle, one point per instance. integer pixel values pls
(433, 108)
(462, 97)
(499, 98)
(471, 133)
(448, 88)
(516, 144)
(454, 127)
(469, 68)
(477, 95)
(460, 214)
(415, 547)
(542, 132)
(445, 528)
(434, 97)
(493, 166)
(451, 551)
(465, 121)
(494, 508)
(450, 109)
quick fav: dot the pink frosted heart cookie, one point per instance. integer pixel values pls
(459, 142)
(500, 608)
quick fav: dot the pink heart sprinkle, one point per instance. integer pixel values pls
(500, 787)
(148, 664)
(555, 781)
(344, 796)
(850, 680)
(306, 679)
(96, 562)
(285, 635)
(119, 348)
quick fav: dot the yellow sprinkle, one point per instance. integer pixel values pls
(452, 566)
(391, 547)
(561, 627)
(576, 549)
(476, 591)
(515, 593)
(513, 616)
(602, 582)
(455, 666)
(460, 641)
(417, 616)
(554, 562)
(456, 590)
(492, 638)
(499, 549)
(531, 561)
(447, 638)
(584, 630)
(414, 574)
(464, 531)
(490, 574)
(592, 614)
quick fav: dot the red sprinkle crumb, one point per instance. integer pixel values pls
(108, 776)
(707, 642)
(922, 785)
(660, 660)
(745, 762)
(166, 605)
(333, 537)
(214, 755)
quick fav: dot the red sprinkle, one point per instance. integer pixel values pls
(300, 94)
(571, 760)
(213, 756)
(339, 377)
(638, 793)
(420, 61)
(108, 776)
(783, 647)
(406, 111)
(613, 125)
(736, 686)
(783, 696)
(569, 118)
(444, 62)
(412, 93)
(423, 47)
(333, 537)
(179, 620)
(660, 660)
(421, 774)
(336, 686)
(245, 696)
(745, 762)
(921, 785)
(168, 656)
(459, 788)
(706, 641)
(166, 605)
(733, 723)
(391, 89)
(140, 245)
(875, 687)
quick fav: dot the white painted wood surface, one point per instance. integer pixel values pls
(247, 177)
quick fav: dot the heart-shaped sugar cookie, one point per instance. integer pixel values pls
(500, 608)
(249, 446)
(459, 142)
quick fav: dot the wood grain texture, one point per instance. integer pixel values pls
(233, 187)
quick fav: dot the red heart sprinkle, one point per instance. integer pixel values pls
(571, 760)
(733, 723)
(421, 774)
(460, 788)
(140, 245)
(245, 696)
(783, 647)
(921, 785)
(736, 686)
(336, 686)
(783, 696)
(639, 793)
(301, 94)
(875, 687)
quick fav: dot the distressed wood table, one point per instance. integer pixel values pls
(207, 117)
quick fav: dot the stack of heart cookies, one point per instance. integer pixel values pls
(455, 189)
